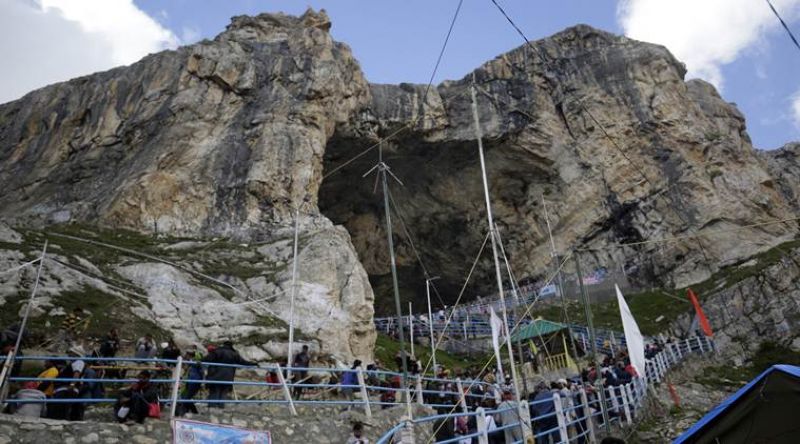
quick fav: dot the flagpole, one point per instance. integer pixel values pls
(557, 264)
(430, 321)
(411, 329)
(593, 340)
(382, 170)
(294, 293)
(9, 364)
(515, 292)
(498, 273)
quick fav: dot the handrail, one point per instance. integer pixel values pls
(582, 413)
(575, 417)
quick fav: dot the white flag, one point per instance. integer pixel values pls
(633, 336)
(497, 328)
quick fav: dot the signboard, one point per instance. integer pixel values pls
(548, 290)
(196, 432)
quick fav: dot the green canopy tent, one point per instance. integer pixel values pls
(548, 341)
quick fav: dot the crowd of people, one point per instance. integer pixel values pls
(84, 381)
(65, 387)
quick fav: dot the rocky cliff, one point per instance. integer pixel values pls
(605, 129)
(223, 138)
(221, 141)
(784, 166)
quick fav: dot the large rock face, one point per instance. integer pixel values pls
(784, 166)
(226, 138)
(220, 138)
(606, 130)
(223, 137)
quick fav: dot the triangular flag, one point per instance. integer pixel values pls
(497, 327)
(633, 337)
(701, 317)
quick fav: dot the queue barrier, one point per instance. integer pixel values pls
(438, 392)
(579, 416)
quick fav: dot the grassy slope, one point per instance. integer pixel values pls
(728, 376)
(107, 309)
(386, 348)
(648, 306)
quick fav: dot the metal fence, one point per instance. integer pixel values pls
(577, 417)
(572, 418)
(366, 389)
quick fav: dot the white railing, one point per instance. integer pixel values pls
(576, 418)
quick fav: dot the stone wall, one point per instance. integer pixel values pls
(311, 426)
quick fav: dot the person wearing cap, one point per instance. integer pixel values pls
(218, 377)
(88, 388)
(543, 412)
(509, 415)
(170, 351)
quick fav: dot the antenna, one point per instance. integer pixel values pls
(382, 170)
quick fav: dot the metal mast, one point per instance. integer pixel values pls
(560, 290)
(493, 235)
(430, 320)
(294, 293)
(593, 339)
(382, 170)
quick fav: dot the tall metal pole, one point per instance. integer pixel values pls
(490, 219)
(10, 363)
(411, 330)
(294, 293)
(30, 301)
(430, 322)
(515, 292)
(383, 170)
(593, 339)
(557, 264)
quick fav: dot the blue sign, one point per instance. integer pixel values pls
(196, 432)
(548, 290)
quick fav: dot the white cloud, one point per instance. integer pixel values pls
(190, 34)
(47, 41)
(796, 109)
(704, 34)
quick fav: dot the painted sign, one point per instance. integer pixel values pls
(196, 432)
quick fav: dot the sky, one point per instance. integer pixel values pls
(738, 45)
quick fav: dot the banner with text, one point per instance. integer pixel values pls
(196, 432)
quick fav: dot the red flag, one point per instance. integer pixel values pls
(701, 317)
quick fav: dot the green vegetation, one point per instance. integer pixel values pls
(769, 354)
(386, 348)
(106, 313)
(648, 306)
(242, 270)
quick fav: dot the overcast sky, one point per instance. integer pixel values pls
(738, 45)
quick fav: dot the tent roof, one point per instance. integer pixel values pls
(539, 327)
(755, 413)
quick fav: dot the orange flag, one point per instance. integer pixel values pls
(701, 317)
